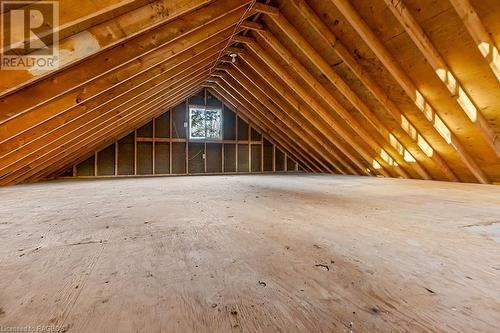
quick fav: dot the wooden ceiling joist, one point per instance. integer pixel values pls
(128, 116)
(72, 150)
(100, 37)
(74, 126)
(153, 45)
(285, 138)
(311, 118)
(252, 44)
(121, 93)
(77, 157)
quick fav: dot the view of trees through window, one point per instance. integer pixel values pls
(205, 123)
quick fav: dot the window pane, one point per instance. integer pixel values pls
(214, 123)
(197, 123)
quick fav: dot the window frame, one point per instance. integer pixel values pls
(205, 108)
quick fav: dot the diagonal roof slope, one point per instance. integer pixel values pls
(405, 89)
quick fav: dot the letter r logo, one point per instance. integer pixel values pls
(29, 26)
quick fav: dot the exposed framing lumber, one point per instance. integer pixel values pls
(73, 19)
(251, 25)
(116, 118)
(260, 112)
(73, 127)
(408, 86)
(106, 143)
(394, 147)
(265, 9)
(478, 32)
(249, 111)
(100, 37)
(325, 115)
(266, 131)
(301, 121)
(443, 71)
(101, 130)
(250, 84)
(209, 20)
(206, 142)
(319, 126)
(88, 110)
(419, 141)
(142, 114)
(383, 158)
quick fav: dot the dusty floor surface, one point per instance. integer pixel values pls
(290, 253)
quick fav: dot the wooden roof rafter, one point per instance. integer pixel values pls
(371, 85)
(291, 138)
(395, 148)
(246, 115)
(263, 95)
(408, 86)
(153, 53)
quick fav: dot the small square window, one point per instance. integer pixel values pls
(205, 123)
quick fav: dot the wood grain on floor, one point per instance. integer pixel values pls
(294, 253)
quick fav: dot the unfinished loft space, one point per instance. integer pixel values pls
(250, 165)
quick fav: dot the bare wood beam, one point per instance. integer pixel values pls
(152, 108)
(76, 118)
(300, 114)
(381, 156)
(235, 50)
(406, 125)
(251, 25)
(243, 39)
(214, 90)
(393, 146)
(478, 32)
(443, 71)
(325, 116)
(271, 133)
(254, 87)
(307, 113)
(290, 136)
(104, 144)
(82, 124)
(59, 125)
(408, 86)
(240, 110)
(267, 118)
(265, 9)
(120, 27)
(201, 23)
(72, 19)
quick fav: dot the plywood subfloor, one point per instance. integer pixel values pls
(290, 253)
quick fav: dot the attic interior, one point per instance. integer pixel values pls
(250, 165)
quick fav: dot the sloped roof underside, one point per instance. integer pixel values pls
(405, 88)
